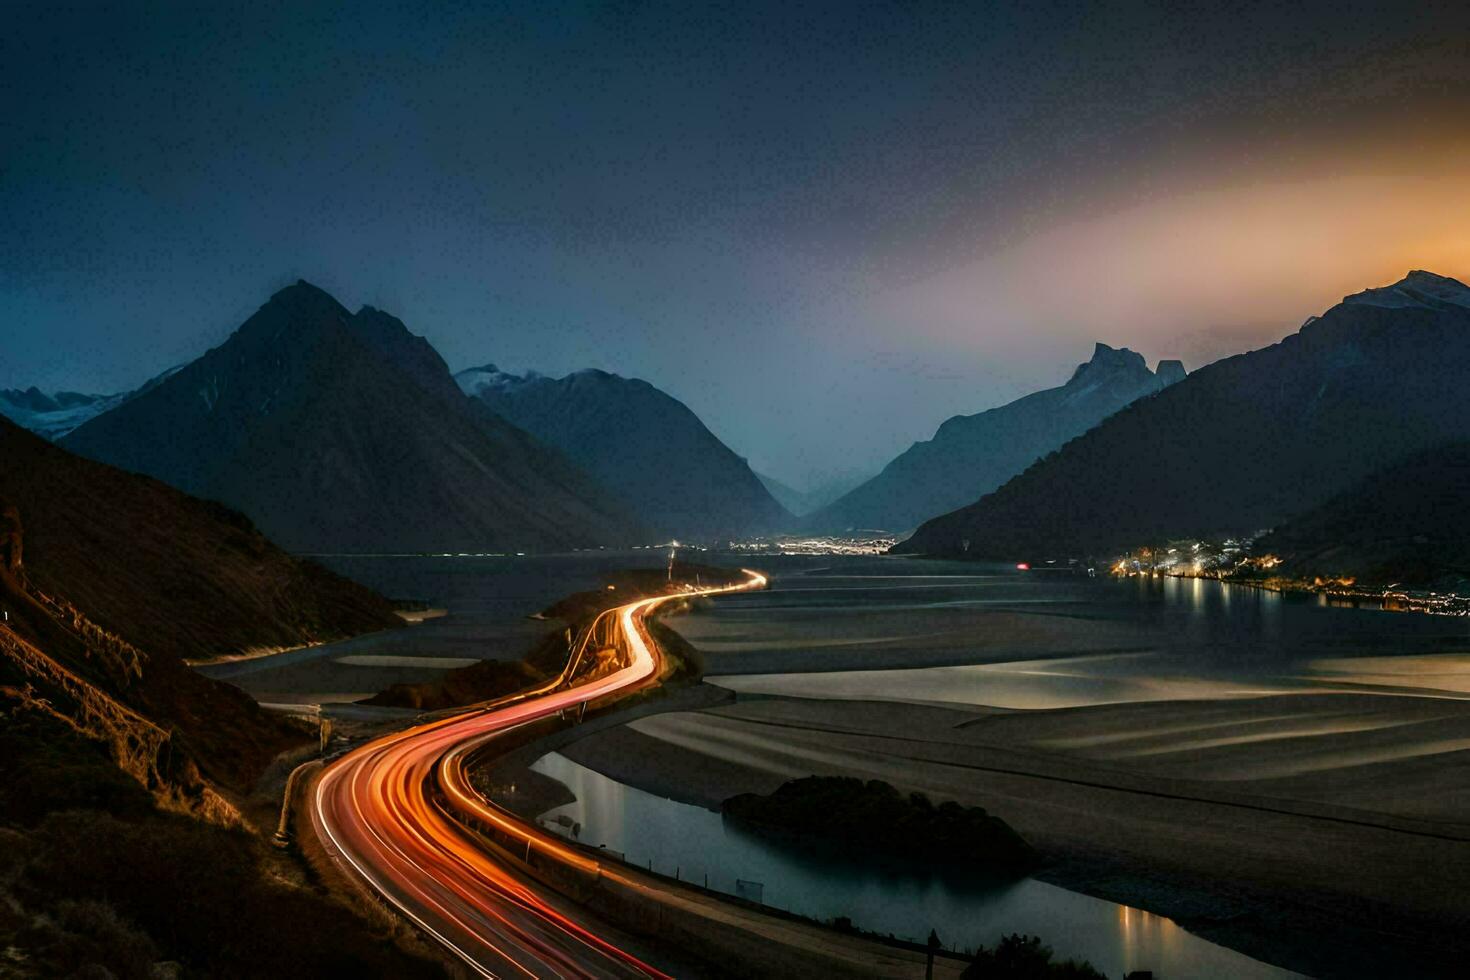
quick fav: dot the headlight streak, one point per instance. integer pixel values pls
(377, 808)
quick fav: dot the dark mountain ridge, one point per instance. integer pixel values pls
(680, 479)
(345, 433)
(970, 455)
(803, 502)
(132, 788)
(1246, 443)
(1404, 524)
(117, 579)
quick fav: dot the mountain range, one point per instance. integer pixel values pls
(970, 455)
(52, 416)
(342, 432)
(641, 443)
(815, 497)
(1244, 444)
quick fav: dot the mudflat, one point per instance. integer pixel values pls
(1326, 832)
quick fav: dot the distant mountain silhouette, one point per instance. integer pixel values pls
(679, 479)
(1246, 443)
(971, 455)
(52, 416)
(802, 502)
(1403, 524)
(337, 432)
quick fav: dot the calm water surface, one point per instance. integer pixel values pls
(488, 601)
(696, 843)
(942, 631)
(902, 629)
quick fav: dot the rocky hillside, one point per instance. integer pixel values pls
(113, 580)
(127, 848)
(188, 578)
(971, 455)
(680, 479)
(1403, 524)
(341, 432)
(1246, 443)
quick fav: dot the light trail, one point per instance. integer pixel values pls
(378, 811)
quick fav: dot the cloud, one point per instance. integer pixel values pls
(1196, 274)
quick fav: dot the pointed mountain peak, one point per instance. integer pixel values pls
(303, 294)
(1418, 288)
(369, 312)
(1105, 358)
(291, 312)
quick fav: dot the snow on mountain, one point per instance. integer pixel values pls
(52, 416)
(489, 378)
(1418, 288)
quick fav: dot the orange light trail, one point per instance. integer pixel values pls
(377, 810)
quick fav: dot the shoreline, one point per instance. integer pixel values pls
(258, 653)
(409, 617)
(1295, 887)
(1274, 922)
(415, 616)
(1387, 598)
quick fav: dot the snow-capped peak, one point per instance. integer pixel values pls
(53, 416)
(475, 381)
(1418, 288)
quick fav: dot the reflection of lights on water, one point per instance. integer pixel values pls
(1144, 933)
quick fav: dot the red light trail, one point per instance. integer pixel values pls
(379, 813)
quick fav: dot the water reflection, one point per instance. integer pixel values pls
(1017, 641)
(696, 844)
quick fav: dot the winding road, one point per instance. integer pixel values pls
(384, 812)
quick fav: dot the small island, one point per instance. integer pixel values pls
(845, 815)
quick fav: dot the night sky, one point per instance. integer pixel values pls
(824, 227)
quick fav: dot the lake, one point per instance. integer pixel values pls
(901, 630)
(700, 847)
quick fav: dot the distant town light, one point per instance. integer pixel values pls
(1021, 566)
